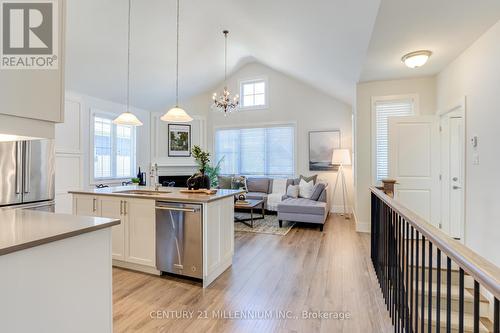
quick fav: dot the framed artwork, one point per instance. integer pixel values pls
(179, 140)
(321, 146)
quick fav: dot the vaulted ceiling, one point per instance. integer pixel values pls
(329, 44)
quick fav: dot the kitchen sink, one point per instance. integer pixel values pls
(143, 192)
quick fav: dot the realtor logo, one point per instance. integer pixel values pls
(29, 34)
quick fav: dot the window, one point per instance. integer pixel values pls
(114, 149)
(268, 151)
(253, 94)
(385, 107)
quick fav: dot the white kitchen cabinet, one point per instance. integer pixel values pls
(85, 205)
(141, 231)
(134, 240)
(37, 93)
(112, 207)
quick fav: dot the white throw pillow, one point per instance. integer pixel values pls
(306, 188)
(279, 186)
(292, 191)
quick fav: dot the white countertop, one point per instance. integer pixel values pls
(164, 193)
(21, 229)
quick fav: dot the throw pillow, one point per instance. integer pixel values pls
(224, 182)
(305, 188)
(314, 178)
(239, 183)
(292, 191)
(279, 186)
(316, 191)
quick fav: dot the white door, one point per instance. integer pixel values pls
(414, 163)
(112, 207)
(452, 136)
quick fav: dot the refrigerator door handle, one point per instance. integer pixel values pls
(27, 166)
(19, 166)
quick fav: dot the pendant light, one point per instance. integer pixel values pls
(224, 102)
(176, 114)
(128, 118)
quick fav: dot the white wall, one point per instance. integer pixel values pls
(476, 75)
(290, 100)
(425, 88)
(73, 155)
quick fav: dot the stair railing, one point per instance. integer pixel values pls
(402, 252)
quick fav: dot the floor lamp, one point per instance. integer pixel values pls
(341, 157)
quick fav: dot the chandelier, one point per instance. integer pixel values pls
(224, 102)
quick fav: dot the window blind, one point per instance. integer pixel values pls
(384, 110)
(265, 151)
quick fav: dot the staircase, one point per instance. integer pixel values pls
(486, 319)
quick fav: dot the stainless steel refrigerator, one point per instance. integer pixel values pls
(27, 171)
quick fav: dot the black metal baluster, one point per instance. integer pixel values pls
(429, 292)
(391, 256)
(407, 315)
(476, 307)
(438, 291)
(448, 295)
(461, 303)
(496, 316)
(398, 272)
(412, 239)
(417, 243)
(395, 273)
(422, 304)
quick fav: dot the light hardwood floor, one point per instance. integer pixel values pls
(305, 270)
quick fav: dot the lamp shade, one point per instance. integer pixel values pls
(341, 157)
(176, 115)
(127, 118)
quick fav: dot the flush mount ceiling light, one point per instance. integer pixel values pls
(416, 59)
(176, 114)
(128, 118)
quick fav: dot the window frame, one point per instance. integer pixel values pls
(261, 125)
(254, 80)
(109, 115)
(373, 136)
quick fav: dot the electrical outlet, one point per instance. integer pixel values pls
(475, 159)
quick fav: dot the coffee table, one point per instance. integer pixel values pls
(250, 205)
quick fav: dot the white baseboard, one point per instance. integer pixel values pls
(361, 226)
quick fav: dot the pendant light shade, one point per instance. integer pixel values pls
(128, 118)
(176, 115)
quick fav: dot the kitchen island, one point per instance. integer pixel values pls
(138, 242)
(55, 272)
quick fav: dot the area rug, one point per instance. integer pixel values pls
(269, 225)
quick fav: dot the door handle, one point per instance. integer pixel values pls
(121, 207)
(124, 208)
(456, 187)
(94, 204)
(19, 168)
(27, 166)
(189, 210)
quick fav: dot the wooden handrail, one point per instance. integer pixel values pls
(482, 270)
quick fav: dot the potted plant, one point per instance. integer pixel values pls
(200, 179)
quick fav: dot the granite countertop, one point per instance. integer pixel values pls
(21, 229)
(163, 194)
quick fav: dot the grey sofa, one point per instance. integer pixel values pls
(305, 210)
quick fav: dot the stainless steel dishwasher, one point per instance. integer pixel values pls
(179, 239)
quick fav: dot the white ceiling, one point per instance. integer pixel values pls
(446, 27)
(329, 44)
(321, 42)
